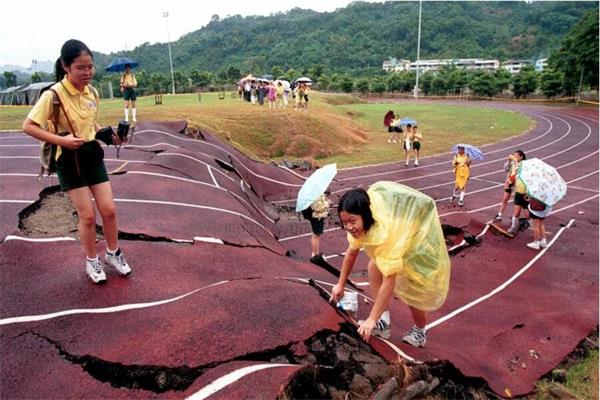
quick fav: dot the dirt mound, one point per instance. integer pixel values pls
(52, 215)
(266, 134)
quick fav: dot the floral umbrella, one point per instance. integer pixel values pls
(542, 181)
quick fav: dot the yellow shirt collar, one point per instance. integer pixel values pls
(72, 89)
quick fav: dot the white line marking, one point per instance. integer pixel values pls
(104, 310)
(504, 285)
(585, 189)
(172, 203)
(17, 201)
(207, 239)
(40, 240)
(212, 176)
(232, 377)
(196, 160)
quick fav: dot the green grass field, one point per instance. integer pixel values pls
(337, 128)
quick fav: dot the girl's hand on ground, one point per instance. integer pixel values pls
(337, 292)
(71, 142)
(366, 329)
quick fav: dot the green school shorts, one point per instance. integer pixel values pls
(91, 167)
(129, 94)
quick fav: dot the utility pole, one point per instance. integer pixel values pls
(166, 16)
(418, 49)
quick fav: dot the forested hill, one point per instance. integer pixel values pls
(361, 35)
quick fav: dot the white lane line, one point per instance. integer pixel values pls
(212, 176)
(17, 174)
(585, 189)
(103, 310)
(575, 204)
(20, 145)
(201, 142)
(232, 377)
(40, 240)
(448, 162)
(205, 184)
(504, 285)
(177, 204)
(206, 239)
(16, 201)
(196, 160)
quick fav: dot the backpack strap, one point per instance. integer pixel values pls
(60, 103)
(55, 109)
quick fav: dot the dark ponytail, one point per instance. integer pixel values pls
(70, 50)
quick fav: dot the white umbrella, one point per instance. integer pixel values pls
(542, 181)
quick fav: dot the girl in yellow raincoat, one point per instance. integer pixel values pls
(462, 171)
(399, 229)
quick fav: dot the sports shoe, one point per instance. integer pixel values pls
(389, 140)
(416, 337)
(498, 217)
(382, 328)
(543, 243)
(512, 231)
(118, 262)
(452, 198)
(534, 245)
(94, 270)
(416, 163)
(461, 203)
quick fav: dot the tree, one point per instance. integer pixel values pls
(525, 82)
(395, 82)
(483, 84)
(503, 79)
(35, 77)
(378, 85)
(426, 83)
(551, 83)
(577, 56)
(10, 78)
(201, 78)
(362, 85)
(276, 71)
(346, 83)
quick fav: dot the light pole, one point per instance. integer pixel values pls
(166, 16)
(34, 65)
(418, 50)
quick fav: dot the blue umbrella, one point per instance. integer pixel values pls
(315, 185)
(471, 151)
(407, 121)
(118, 64)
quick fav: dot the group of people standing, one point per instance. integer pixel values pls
(411, 137)
(276, 93)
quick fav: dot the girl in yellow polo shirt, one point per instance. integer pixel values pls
(462, 171)
(79, 164)
(128, 85)
(399, 229)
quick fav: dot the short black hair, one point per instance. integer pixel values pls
(523, 156)
(356, 201)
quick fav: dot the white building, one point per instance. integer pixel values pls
(515, 66)
(395, 65)
(463, 63)
(541, 64)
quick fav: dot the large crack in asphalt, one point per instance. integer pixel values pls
(335, 356)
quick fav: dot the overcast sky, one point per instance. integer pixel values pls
(36, 29)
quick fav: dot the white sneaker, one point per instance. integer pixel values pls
(534, 245)
(118, 262)
(543, 243)
(416, 163)
(94, 270)
(416, 337)
(389, 140)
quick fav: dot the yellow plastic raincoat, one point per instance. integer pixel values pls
(462, 171)
(407, 239)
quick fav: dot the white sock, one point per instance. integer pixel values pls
(126, 115)
(112, 252)
(133, 113)
(462, 196)
(514, 223)
(453, 192)
(385, 316)
(92, 259)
